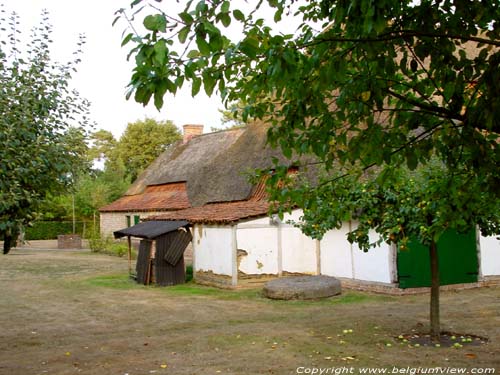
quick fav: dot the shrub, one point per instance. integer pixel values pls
(109, 246)
(49, 230)
(189, 273)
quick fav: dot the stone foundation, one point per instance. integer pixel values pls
(393, 289)
(212, 279)
(257, 281)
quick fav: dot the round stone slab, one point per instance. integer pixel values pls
(302, 287)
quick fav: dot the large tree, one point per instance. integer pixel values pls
(37, 109)
(370, 88)
(142, 142)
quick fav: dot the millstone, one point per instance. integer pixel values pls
(302, 287)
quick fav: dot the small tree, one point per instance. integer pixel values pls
(399, 206)
(37, 108)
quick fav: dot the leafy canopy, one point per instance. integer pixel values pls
(361, 85)
(37, 111)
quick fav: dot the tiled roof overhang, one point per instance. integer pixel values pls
(218, 213)
(171, 196)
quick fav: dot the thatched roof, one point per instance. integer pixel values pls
(213, 166)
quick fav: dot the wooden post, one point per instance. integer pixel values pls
(435, 283)
(129, 255)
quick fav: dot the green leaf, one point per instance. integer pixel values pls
(208, 83)
(238, 15)
(225, 7)
(250, 46)
(449, 90)
(157, 22)
(411, 159)
(203, 46)
(127, 39)
(225, 19)
(183, 33)
(193, 54)
(195, 89)
(186, 18)
(277, 15)
(161, 89)
(161, 50)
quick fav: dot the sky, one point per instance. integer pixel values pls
(104, 72)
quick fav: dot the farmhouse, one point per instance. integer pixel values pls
(203, 180)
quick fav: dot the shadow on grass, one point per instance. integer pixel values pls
(124, 282)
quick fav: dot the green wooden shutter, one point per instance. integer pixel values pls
(458, 261)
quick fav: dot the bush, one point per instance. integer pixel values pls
(109, 246)
(118, 249)
(189, 273)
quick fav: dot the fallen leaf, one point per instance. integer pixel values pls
(470, 355)
(67, 353)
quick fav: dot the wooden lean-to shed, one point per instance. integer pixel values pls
(161, 251)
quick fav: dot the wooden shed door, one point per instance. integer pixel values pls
(143, 266)
(458, 261)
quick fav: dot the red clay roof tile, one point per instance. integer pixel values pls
(171, 196)
(218, 213)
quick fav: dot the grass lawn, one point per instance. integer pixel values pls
(70, 312)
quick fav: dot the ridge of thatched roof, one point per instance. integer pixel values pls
(226, 177)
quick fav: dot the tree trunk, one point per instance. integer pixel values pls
(435, 324)
(7, 243)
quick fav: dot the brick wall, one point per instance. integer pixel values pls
(69, 241)
(190, 131)
(113, 221)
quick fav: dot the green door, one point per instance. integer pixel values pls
(458, 261)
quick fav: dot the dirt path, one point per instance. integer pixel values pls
(70, 312)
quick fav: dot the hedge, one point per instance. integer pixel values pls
(49, 230)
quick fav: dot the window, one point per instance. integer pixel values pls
(128, 220)
(137, 219)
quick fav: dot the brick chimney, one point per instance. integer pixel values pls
(191, 131)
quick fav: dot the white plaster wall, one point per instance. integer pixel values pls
(213, 249)
(375, 265)
(261, 245)
(265, 221)
(295, 215)
(299, 251)
(490, 255)
(336, 253)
